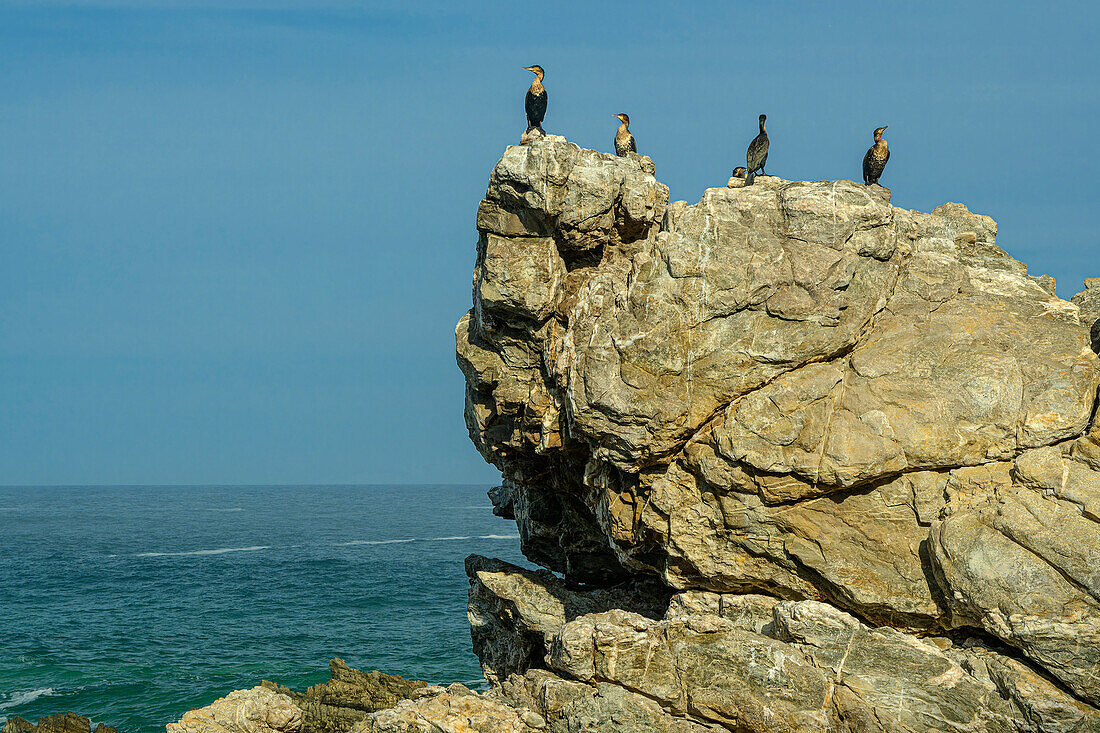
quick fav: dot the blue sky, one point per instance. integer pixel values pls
(235, 237)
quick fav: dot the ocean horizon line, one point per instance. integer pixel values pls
(334, 485)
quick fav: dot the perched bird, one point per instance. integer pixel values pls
(535, 103)
(624, 141)
(757, 154)
(740, 172)
(875, 160)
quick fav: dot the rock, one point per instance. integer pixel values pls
(259, 710)
(1024, 568)
(833, 426)
(58, 723)
(809, 667)
(1088, 301)
(447, 713)
(568, 706)
(337, 705)
(696, 665)
(515, 612)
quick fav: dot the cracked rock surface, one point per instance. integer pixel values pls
(855, 444)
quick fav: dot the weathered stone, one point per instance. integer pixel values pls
(514, 613)
(337, 705)
(58, 723)
(1088, 301)
(697, 665)
(792, 389)
(1023, 568)
(259, 710)
(446, 712)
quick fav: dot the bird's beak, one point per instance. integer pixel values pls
(884, 127)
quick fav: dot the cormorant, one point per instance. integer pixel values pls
(624, 141)
(757, 154)
(876, 158)
(740, 172)
(535, 103)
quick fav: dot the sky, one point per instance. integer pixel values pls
(235, 236)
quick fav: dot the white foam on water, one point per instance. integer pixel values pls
(219, 509)
(22, 698)
(218, 551)
(352, 543)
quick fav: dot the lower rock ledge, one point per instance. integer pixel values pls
(741, 663)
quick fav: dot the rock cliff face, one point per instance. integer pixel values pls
(857, 441)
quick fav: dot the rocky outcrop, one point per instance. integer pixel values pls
(259, 710)
(346, 699)
(514, 613)
(1088, 300)
(59, 723)
(859, 440)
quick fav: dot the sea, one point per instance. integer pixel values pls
(131, 605)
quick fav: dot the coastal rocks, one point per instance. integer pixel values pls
(346, 699)
(454, 710)
(59, 723)
(771, 665)
(514, 612)
(259, 710)
(835, 426)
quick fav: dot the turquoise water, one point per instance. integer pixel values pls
(133, 604)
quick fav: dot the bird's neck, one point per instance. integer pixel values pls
(762, 126)
(623, 127)
(536, 85)
(880, 143)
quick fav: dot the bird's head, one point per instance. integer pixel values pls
(623, 118)
(879, 131)
(763, 118)
(739, 172)
(536, 70)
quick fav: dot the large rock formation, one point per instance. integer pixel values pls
(859, 440)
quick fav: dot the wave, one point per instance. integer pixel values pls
(22, 698)
(351, 543)
(218, 551)
(219, 509)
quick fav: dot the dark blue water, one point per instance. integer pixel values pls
(132, 605)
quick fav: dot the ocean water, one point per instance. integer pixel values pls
(133, 604)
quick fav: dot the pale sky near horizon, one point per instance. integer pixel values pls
(235, 236)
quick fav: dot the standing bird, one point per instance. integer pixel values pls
(876, 158)
(624, 141)
(535, 103)
(757, 154)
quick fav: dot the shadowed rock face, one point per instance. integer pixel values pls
(793, 391)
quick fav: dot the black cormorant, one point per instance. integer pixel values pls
(624, 141)
(876, 158)
(757, 154)
(535, 103)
